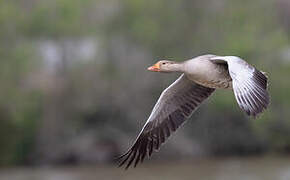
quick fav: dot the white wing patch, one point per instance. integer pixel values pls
(249, 85)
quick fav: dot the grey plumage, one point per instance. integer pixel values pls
(171, 110)
(249, 85)
(201, 76)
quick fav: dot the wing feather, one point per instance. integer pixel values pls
(174, 106)
(249, 84)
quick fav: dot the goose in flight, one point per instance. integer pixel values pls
(201, 76)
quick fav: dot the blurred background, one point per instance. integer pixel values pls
(75, 91)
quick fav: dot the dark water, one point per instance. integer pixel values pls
(257, 168)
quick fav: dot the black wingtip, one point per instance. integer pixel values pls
(261, 78)
(123, 158)
(134, 153)
(257, 97)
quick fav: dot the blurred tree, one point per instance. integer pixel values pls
(86, 110)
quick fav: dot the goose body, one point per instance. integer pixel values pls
(201, 76)
(207, 73)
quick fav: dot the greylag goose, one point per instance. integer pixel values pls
(200, 77)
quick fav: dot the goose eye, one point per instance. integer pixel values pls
(163, 63)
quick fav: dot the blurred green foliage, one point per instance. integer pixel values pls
(93, 95)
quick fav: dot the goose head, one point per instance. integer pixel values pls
(166, 66)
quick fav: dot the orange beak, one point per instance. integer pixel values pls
(155, 67)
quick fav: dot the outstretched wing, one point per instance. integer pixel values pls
(249, 84)
(173, 107)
